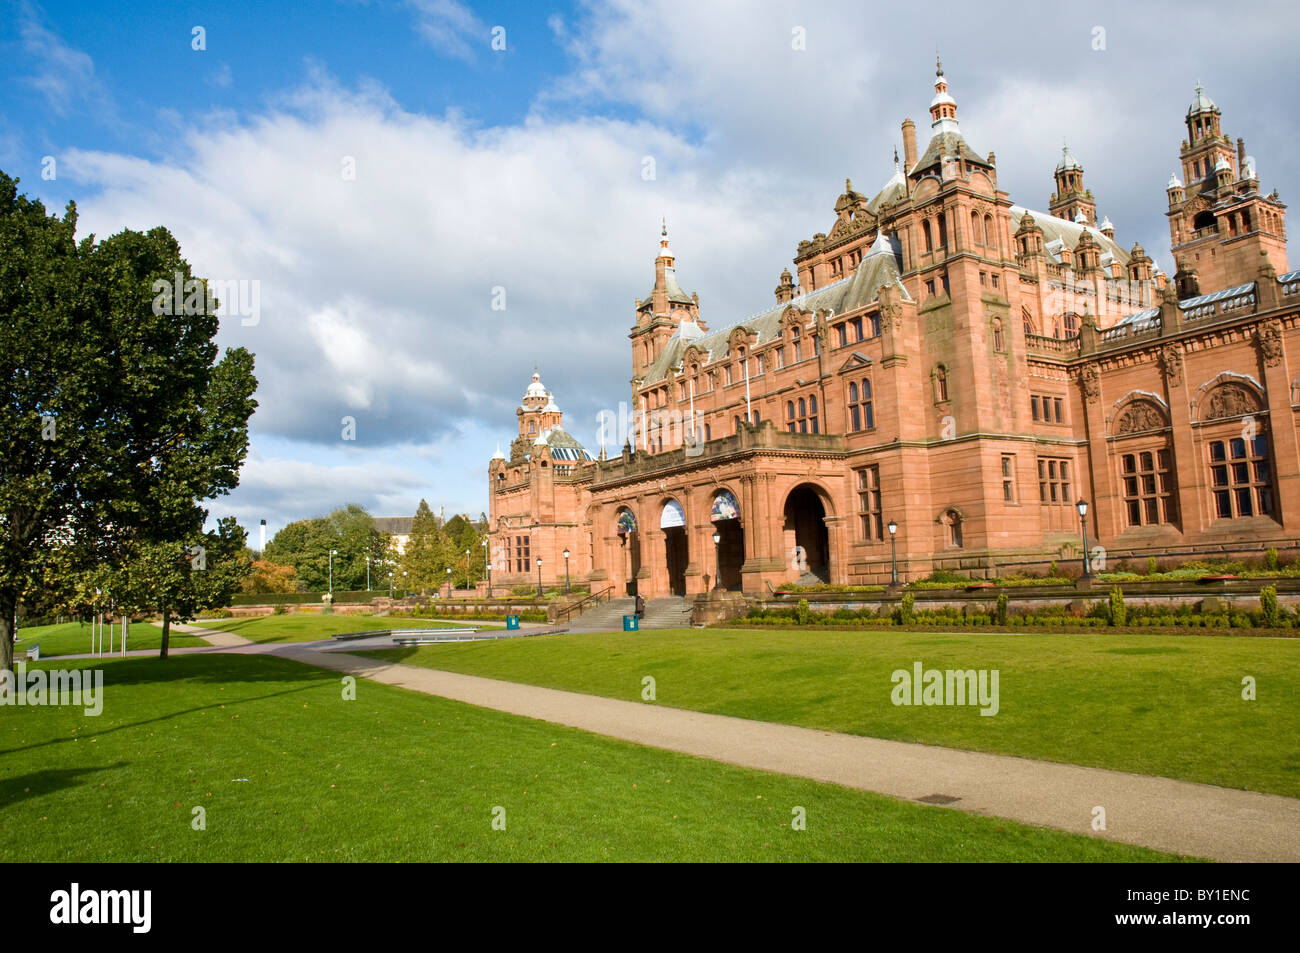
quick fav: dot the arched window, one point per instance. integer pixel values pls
(861, 416)
(532, 426)
(943, 229)
(989, 235)
(941, 383)
(1203, 220)
(803, 419)
(789, 416)
(797, 337)
(998, 343)
(735, 422)
(952, 526)
(975, 228)
(925, 231)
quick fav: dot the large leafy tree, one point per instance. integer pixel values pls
(350, 532)
(120, 418)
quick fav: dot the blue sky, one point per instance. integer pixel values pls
(522, 169)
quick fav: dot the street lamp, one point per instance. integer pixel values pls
(487, 566)
(367, 572)
(448, 582)
(390, 584)
(333, 553)
(405, 585)
(566, 571)
(467, 569)
(717, 561)
(893, 554)
(539, 577)
(1082, 507)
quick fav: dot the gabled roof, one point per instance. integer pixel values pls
(1057, 232)
(562, 445)
(394, 525)
(880, 266)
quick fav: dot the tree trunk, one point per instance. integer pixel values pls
(167, 626)
(8, 606)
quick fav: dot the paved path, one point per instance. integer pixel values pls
(1175, 816)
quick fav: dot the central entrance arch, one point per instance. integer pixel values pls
(724, 513)
(807, 540)
(676, 549)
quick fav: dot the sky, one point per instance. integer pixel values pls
(421, 201)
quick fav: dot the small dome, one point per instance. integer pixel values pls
(535, 388)
(1105, 225)
(498, 455)
(1068, 161)
(541, 439)
(1201, 103)
(1080, 218)
(1222, 165)
(942, 98)
(1174, 181)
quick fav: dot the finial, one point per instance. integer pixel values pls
(938, 63)
(848, 186)
(663, 232)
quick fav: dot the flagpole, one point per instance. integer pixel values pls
(749, 413)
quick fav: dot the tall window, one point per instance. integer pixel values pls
(952, 528)
(998, 343)
(1008, 478)
(521, 554)
(941, 383)
(1054, 481)
(861, 413)
(797, 337)
(1148, 482)
(1241, 478)
(869, 514)
(801, 415)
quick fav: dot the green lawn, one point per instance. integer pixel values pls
(287, 770)
(311, 628)
(73, 638)
(1160, 705)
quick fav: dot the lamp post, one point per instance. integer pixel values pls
(487, 566)
(717, 562)
(333, 553)
(893, 554)
(390, 584)
(367, 572)
(405, 588)
(539, 577)
(566, 572)
(1082, 507)
(467, 569)
(448, 582)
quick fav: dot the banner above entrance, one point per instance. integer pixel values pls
(672, 515)
(725, 507)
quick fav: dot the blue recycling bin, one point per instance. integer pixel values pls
(630, 623)
(512, 622)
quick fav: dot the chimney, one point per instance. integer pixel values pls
(909, 145)
(1241, 158)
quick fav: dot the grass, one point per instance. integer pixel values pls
(1164, 705)
(73, 638)
(310, 628)
(286, 770)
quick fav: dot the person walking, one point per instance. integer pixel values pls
(640, 606)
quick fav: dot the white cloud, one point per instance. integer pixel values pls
(449, 27)
(65, 76)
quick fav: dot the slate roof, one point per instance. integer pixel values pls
(563, 445)
(948, 144)
(1057, 232)
(880, 266)
(394, 525)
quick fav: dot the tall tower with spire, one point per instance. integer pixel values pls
(662, 312)
(1220, 224)
(1071, 200)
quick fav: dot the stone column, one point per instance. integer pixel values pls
(1270, 341)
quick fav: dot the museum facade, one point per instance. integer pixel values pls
(941, 380)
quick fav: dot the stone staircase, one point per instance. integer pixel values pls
(672, 612)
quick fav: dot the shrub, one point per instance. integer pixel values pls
(1270, 559)
(280, 609)
(1239, 620)
(1268, 602)
(1152, 566)
(1002, 608)
(904, 614)
(1053, 571)
(1118, 614)
(802, 612)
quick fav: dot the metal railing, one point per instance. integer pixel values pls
(566, 613)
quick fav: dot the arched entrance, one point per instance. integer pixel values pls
(629, 537)
(673, 522)
(808, 548)
(724, 513)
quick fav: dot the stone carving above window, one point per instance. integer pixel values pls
(1090, 381)
(1230, 400)
(1139, 416)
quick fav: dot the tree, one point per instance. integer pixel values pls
(267, 576)
(119, 417)
(350, 531)
(424, 560)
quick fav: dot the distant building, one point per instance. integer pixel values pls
(949, 361)
(398, 527)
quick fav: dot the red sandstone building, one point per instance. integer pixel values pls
(953, 363)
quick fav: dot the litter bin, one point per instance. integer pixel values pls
(630, 623)
(512, 622)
